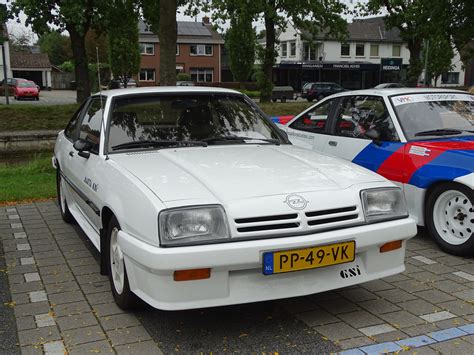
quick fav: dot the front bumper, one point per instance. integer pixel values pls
(236, 268)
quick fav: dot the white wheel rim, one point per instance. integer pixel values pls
(453, 217)
(116, 262)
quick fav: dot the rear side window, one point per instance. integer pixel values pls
(314, 121)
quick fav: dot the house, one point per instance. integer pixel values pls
(371, 55)
(32, 66)
(198, 53)
(6, 54)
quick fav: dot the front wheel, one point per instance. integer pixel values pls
(124, 298)
(450, 218)
(63, 208)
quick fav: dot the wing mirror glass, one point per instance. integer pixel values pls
(83, 147)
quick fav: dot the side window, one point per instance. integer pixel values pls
(315, 120)
(90, 126)
(358, 114)
(72, 129)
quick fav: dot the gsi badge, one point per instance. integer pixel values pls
(296, 202)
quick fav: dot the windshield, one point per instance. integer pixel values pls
(26, 84)
(435, 115)
(186, 120)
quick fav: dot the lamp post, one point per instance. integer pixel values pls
(5, 84)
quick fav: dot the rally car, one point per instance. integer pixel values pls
(421, 139)
(194, 198)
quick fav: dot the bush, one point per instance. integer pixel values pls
(251, 86)
(183, 77)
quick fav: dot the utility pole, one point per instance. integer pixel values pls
(5, 84)
(3, 39)
(426, 61)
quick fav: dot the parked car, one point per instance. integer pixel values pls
(283, 93)
(318, 91)
(421, 139)
(118, 84)
(11, 82)
(389, 86)
(185, 83)
(194, 199)
(25, 89)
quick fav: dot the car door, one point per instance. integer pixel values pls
(356, 117)
(82, 170)
(309, 130)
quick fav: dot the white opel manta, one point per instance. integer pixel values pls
(194, 198)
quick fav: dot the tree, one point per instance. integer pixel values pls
(123, 39)
(74, 16)
(57, 46)
(310, 15)
(440, 55)
(20, 42)
(240, 42)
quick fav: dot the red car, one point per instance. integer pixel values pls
(25, 89)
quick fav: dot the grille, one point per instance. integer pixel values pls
(266, 223)
(331, 216)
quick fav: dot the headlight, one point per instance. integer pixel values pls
(193, 225)
(383, 204)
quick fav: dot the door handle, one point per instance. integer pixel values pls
(333, 143)
(71, 153)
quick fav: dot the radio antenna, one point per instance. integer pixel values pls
(100, 95)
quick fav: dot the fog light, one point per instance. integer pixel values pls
(193, 274)
(391, 246)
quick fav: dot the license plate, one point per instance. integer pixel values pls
(308, 258)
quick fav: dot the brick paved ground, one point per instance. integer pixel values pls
(62, 302)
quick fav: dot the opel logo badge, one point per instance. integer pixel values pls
(296, 202)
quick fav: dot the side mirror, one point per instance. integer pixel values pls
(374, 135)
(83, 147)
(284, 134)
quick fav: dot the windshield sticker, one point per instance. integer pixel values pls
(408, 99)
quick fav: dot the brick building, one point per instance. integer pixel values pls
(198, 53)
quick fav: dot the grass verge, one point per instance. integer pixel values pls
(32, 181)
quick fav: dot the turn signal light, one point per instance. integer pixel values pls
(193, 274)
(391, 246)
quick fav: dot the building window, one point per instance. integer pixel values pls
(147, 48)
(450, 78)
(374, 50)
(147, 74)
(202, 75)
(177, 49)
(201, 49)
(310, 52)
(284, 49)
(396, 50)
(360, 50)
(345, 50)
(292, 49)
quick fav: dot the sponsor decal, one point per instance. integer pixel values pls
(91, 184)
(296, 202)
(421, 151)
(350, 272)
(405, 99)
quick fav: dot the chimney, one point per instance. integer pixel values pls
(206, 20)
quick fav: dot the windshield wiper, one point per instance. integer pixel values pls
(439, 132)
(240, 139)
(157, 143)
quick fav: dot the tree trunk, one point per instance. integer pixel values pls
(81, 69)
(167, 36)
(416, 65)
(266, 84)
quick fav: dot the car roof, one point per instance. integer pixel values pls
(167, 90)
(397, 91)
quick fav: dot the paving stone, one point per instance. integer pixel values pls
(61, 287)
(390, 336)
(421, 329)
(360, 319)
(451, 260)
(432, 253)
(57, 278)
(381, 348)
(83, 262)
(434, 296)
(83, 335)
(100, 298)
(44, 320)
(377, 285)
(50, 255)
(464, 275)
(38, 296)
(338, 305)
(419, 307)
(128, 335)
(67, 309)
(27, 261)
(469, 328)
(25, 323)
(395, 278)
(119, 321)
(32, 276)
(26, 287)
(49, 261)
(449, 286)
(30, 309)
(108, 309)
(38, 336)
(145, 348)
(54, 347)
(22, 247)
(16, 225)
(92, 278)
(76, 321)
(446, 334)
(467, 295)
(96, 287)
(379, 306)
(96, 347)
(354, 343)
(85, 269)
(358, 294)
(412, 285)
(396, 295)
(318, 317)
(13, 216)
(19, 235)
(297, 305)
(415, 342)
(66, 297)
(16, 279)
(376, 329)
(410, 269)
(401, 319)
(458, 307)
(437, 316)
(455, 347)
(438, 268)
(426, 276)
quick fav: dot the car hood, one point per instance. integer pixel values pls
(232, 172)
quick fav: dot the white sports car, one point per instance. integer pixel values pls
(421, 139)
(195, 199)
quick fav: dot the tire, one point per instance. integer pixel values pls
(450, 218)
(62, 203)
(283, 99)
(124, 298)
